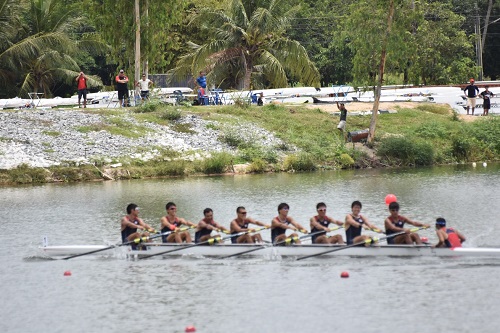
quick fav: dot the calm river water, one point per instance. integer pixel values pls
(250, 295)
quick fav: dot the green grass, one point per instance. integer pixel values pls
(51, 133)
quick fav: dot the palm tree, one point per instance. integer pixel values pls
(37, 51)
(250, 43)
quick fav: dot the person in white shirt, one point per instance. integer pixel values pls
(145, 83)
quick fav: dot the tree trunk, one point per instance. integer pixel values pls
(248, 74)
(146, 56)
(373, 121)
(486, 23)
(137, 67)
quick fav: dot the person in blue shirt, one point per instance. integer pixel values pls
(202, 80)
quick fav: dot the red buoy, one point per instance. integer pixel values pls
(67, 273)
(344, 274)
(389, 198)
(190, 329)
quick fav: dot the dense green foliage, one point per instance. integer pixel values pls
(265, 43)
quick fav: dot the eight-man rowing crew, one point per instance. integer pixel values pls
(173, 232)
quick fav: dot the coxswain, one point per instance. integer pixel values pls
(448, 237)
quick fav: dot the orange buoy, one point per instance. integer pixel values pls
(344, 274)
(389, 198)
(190, 329)
(67, 273)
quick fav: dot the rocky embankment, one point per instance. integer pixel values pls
(44, 138)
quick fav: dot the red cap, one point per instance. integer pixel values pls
(471, 80)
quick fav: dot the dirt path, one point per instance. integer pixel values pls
(357, 106)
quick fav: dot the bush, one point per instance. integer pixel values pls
(149, 106)
(432, 130)
(460, 148)
(173, 168)
(299, 162)
(258, 165)
(171, 114)
(405, 151)
(345, 161)
(218, 163)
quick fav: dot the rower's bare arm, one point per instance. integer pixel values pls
(277, 224)
(415, 223)
(234, 227)
(314, 224)
(350, 221)
(296, 225)
(389, 226)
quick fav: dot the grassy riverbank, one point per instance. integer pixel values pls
(425, 135)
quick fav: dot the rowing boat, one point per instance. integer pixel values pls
(222, 250)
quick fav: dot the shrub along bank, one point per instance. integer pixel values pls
(429, 134)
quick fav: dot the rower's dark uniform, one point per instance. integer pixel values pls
(234, 239)
(399, 223)
(176, 224)
(129, 230)
(319, 232)
(353, 232)
(202, 232)
(275, 232)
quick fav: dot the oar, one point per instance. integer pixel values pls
(208, 241)
(287, 240)
(136, 241)
(367, 241)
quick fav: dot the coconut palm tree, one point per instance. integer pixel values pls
(37, 50)
(248, 42)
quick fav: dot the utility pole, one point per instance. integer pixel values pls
(479, 47)
(137, 67)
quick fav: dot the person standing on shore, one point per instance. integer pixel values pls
(144, 85)
(486, 95)
(122, 88)
(471, 92)
(343, 116)
(82, 88)
(201, 82)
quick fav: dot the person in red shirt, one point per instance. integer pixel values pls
(82, 88)
(122, 88)
(448, 237)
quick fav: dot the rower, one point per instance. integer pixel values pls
(448, 237)
(281, 223)
(354, 223)
(240, 224)
(171, 222)
(206, 226)
(320, 223)
(395, 223)
(131, 224)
